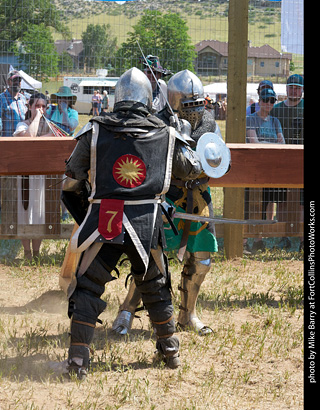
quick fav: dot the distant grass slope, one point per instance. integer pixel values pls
(207, 20)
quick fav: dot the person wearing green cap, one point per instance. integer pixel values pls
(61, 112)
(290, 113)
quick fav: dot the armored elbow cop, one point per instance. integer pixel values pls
(186, 162)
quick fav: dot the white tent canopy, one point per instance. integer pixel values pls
(29, 83)
(215, 88)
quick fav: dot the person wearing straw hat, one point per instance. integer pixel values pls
(61, 112)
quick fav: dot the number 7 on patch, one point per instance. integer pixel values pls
(110, 218)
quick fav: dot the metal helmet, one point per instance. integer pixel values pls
(134, 85)
(186, 97)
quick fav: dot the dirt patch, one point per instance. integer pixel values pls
(253, 360)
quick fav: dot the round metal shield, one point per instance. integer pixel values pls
(214, 154)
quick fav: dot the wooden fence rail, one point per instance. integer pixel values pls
(252, 165)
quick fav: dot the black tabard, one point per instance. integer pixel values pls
(133, 168)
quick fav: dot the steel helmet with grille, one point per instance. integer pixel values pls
(186, 97)
(133, 85)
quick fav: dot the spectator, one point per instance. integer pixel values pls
(223, 109)
(290, 113)
(13, 105)
(265, 84)
(105, 101)
(252, 101)
(34, 124)
(209, 104)
(159, 101)
(95, 103)
(61, 112)
(31, 188)
(48, 98)
(263, 128)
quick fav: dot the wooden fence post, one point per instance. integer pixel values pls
(236, 116)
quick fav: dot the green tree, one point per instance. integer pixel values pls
(164, 35)
(65, 62)
(98, 46)
(37, 52)
(17, 15)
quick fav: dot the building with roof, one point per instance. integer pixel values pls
(264, 61)
(73, 48)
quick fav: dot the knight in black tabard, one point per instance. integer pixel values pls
(127, 156)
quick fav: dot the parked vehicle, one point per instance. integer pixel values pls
(83, 88)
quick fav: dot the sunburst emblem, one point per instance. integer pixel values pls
(129, 171)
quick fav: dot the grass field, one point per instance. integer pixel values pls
(208, 20)
(252, 361)
(206, 28)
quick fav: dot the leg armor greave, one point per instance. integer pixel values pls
(155, 291)
(84, 309)
(85, 306)
(194, 272)
(163, 323)
(123, 321)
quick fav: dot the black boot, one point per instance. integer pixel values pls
(77, 366)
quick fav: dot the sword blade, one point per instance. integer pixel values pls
(199, 218)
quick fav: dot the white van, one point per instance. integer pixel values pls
(83, 88)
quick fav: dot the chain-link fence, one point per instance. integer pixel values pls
(87, 45)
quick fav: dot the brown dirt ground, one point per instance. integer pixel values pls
(222, 371)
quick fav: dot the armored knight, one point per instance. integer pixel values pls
(195, 240)
(159, 87)
(129, 155)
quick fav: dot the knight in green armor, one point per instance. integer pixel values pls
(195, 241)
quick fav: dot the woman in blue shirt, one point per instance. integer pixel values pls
(261, 127)
(61, 112)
